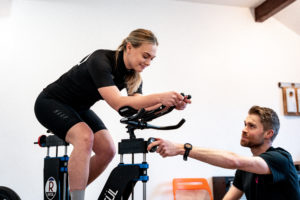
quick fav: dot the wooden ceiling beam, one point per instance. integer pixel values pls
(269, 8)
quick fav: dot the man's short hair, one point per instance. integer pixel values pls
(268, 118)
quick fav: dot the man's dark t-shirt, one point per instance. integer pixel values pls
(281, 184)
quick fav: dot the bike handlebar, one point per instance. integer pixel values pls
(137, 119)
(145, 125)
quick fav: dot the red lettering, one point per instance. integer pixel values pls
(51, 185)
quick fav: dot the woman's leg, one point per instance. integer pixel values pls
(81, 137)
(104, 149)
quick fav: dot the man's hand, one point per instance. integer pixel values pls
(167, 148)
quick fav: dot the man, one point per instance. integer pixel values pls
(268, 174)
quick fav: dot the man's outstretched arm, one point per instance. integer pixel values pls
(220, 158)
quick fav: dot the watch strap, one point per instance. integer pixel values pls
(188, 147)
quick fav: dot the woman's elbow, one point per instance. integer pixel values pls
(114, 105)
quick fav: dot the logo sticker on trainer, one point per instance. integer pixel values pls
(50, 188)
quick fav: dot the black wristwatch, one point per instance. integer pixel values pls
(188, 147)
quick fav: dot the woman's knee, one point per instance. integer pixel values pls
(86, 140)
(107, 153)
(81, 136)
(104, 145)
(111, 152)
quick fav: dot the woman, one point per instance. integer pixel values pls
(64, 106)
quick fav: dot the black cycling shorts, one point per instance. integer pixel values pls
(59, 117)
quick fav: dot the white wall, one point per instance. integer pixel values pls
(218, 54)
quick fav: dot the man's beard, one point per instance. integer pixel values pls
(252, 144)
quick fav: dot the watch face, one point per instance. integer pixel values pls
(188, 145)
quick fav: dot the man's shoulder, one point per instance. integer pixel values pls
(278, 158)
(278, 151)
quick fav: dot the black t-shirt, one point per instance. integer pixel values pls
(282, 184)
(79, 86)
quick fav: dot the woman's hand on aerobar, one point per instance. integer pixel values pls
(181, 105)
(170, 99)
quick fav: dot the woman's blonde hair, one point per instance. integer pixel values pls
(136, 38)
